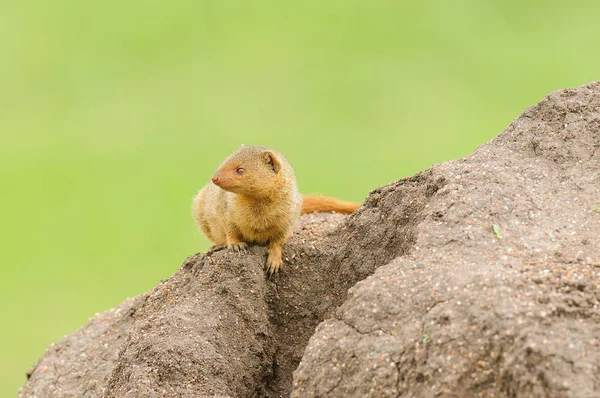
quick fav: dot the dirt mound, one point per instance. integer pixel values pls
(482, 278)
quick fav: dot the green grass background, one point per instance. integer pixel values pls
(113, 114)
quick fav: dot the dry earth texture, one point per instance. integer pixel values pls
(477, 277)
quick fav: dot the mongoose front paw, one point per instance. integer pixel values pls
(238, 247)
(274, 264)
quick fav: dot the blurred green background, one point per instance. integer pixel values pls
(113, 114)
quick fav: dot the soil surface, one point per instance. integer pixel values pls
(477, 277)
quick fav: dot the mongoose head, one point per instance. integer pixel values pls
(252, 171)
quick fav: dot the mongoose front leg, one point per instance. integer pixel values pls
(274, 260)
(235, 243)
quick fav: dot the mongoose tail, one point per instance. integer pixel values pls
(325, 204)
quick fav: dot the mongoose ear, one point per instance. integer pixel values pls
(272, 161)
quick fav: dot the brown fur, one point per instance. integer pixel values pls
(254, 199)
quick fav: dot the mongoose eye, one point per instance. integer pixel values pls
(240, 170)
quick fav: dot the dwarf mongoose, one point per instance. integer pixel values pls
(253, 198)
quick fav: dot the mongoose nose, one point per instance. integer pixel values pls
(215, 178)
